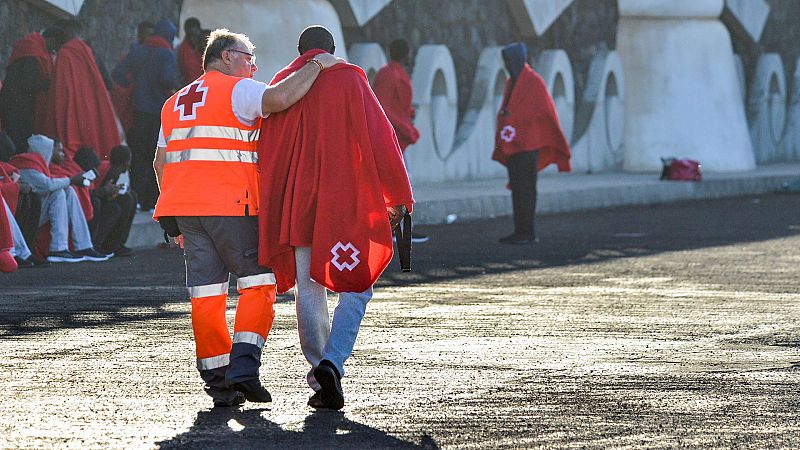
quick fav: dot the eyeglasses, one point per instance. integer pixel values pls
(251, 61)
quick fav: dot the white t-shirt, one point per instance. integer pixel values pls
(246, 102)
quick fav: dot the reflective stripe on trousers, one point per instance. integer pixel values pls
(213, 362)
(248, 337)
(261, 279)
(208, 290)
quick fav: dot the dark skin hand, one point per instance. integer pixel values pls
(396, 214)
(77, 180)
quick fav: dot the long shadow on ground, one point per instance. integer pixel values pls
(142, 287)
(234, 429)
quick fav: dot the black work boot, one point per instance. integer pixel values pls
(328, 377)
(253, 391)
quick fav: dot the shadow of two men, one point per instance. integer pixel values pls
(232, 428)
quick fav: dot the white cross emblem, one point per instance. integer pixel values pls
(508, 133)
(339, 250)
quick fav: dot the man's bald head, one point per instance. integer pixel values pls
(316, 37)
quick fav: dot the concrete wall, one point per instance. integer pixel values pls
(110, 25)
(466, 27)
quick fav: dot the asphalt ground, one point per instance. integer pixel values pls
(643, 327)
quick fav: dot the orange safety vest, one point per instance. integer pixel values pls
(211, 164)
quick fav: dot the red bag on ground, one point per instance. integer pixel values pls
(681, 170)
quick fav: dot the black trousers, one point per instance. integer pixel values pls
(27, 216)
(142, 139)
(522, 175)
(111, 224)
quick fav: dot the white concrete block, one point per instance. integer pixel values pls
(355, 13)
(601, 120)
(368, 56)
(751, 14)
(534, 17)
(687, 100)
(670, 9)
(766, 108)
(274, 26)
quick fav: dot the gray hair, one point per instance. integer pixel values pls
(220, 40)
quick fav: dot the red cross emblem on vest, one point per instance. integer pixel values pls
(190, 99)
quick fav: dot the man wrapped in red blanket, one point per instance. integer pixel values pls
(331, 168)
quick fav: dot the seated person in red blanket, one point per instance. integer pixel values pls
(22, 202)
(60, 204)
(331, 170)
(113, 201)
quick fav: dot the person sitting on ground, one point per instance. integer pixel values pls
(113, 200)
(24, 204)
(11, 190)
(62, 166)
(60, 204)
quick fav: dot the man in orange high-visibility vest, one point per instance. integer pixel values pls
(207, 169)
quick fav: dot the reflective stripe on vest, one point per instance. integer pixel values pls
(213, 362)
(262, 279)
(210, 154)
(248, 337)
(179, 134)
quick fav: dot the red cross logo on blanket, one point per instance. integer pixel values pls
(190, 99)
(508, 133)
(340, 254)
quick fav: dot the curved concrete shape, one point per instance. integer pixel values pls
(601, 119)
(273, 25)
(471, 156)
(436, 101)
(766, 108)
(556, 70)
(791, 137)
(675, 109)
(740, 76)
(368, 56)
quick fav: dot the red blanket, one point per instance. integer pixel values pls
(8, 188)
(68, 169)
(33, 45)
(36, 162)
(7, 262)
(531, 123)
(393, 88)
(330, 165)
(79, 107)
(190, 61)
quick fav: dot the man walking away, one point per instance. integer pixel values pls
(330, 175)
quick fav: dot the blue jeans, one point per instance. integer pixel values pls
(319, 338)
